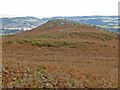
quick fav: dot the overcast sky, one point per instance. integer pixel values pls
(50, 8)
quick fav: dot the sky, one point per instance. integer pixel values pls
(51, 8)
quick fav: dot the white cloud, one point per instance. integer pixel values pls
(49, 8)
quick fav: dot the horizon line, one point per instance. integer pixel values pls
(15, 16)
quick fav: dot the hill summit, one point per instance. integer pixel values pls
(59, 23)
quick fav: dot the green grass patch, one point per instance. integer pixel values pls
(58, 36)
(47, 43)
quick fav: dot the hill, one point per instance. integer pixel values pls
(59, 54)
(19, 24)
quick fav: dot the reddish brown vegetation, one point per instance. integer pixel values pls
(61, 56)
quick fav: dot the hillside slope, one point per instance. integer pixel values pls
(61, 53)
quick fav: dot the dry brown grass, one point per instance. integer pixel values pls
(76, 56)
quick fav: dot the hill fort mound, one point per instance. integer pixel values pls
(61, 22)
(58, 24)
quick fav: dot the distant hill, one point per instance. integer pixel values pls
(18, 24)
